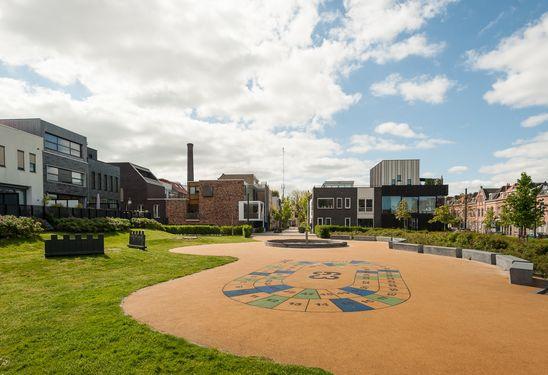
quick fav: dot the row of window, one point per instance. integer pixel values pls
(21, 165)
(55, 143)
(328, 221)
(365, 205)
(327, 203)
(104, 182)
(54, 174)
(398, 180)
(421, 205)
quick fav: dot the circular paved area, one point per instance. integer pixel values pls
(452, 315)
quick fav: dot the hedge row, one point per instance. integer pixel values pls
(324, 231)
(534, 250)
(236, 230)
(97, 225)
(19, 227)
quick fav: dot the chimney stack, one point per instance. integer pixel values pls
(189, 162)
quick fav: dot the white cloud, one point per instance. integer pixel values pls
(536, 120)
(240, 79)
(530, 155)
(522, 58)
(458, 169)
(363, 143)
(424, 88)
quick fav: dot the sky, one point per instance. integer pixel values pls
(340, 85)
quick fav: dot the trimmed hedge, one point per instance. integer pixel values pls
(534, 250)
(97, 225)
(247, 229)
(19, 227)
(324, 231)
(144, 223)
(192, 229)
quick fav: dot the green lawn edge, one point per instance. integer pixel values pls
(63, 315)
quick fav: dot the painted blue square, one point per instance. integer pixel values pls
(260, 273)
(241, 292)
(284, 271)
(272, 288)
(348, 305)
(359, 292)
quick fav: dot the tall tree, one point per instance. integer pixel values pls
(402, 213)
(490, 220)
(523, 209)
(443, 214)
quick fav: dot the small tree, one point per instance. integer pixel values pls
(522, 208)
(285, 213)
(443, 214)
(489, 221)
(402, 213)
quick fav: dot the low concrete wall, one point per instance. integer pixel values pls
(454, 252)
(384, 239)
(521, 273)
(398, 239)
(364, 238)
(479, 256)
(341, 237)
(407, 247)
(504, 262)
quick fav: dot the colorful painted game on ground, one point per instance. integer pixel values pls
(320, 287)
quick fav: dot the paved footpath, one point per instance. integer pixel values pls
(447, 315)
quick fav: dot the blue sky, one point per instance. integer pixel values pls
(340, 85)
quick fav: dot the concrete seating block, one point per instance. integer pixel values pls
(479, 256)
(341, 237)
(398, 239)
(453, 252)
(384, 239)
(407, 247)
(504, 262)
(364, 238)
(521, 273)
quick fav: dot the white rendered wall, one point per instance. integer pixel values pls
(13, 140)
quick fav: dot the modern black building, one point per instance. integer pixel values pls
(104, 183)
(66, 169)
(342, 203)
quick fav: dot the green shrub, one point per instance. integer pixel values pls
(302, 228)
(193, 229)
(19, 227)
(246, 230)
(97, 225)
(231, 230)
(142, 222)
(258, 230)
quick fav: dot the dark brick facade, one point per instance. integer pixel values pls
(337, 215)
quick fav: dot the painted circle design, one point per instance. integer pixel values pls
(320, 287)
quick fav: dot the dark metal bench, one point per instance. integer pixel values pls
(78, 245)
(137, 239)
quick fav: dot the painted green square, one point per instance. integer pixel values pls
(388, 300)
(308, 294)
(269, 302)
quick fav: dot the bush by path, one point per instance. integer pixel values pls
(19, 227)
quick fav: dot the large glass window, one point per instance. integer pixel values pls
(20, 160)
(369, 205)
(347, 203)
(2, 156)
(77, 178)
(326, 203)
(55, 143)
(361, 205)
(427, 205)
(339, 202)
(412, 204)
(32, 163)
(52, 174)
(390, 203)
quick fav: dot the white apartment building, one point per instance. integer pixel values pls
(21, 168)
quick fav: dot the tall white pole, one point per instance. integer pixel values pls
(283, 173)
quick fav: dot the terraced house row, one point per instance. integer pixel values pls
(472, 208)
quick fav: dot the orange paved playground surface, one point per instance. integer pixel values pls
(458, 316)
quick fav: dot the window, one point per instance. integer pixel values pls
(111, 183)
(55, 143)
(409, 181)
(390, 204)
(99, 181)
(398, 178)
(93, 182)
(193, 190)
(116, 184)
(105, 182)
(369, 205)
(320, 221)
(347, 222)
(339, 203)
(427, 205)
(347, 202)
(20, 160)
(2, 156)
(325, 202)
(77, 178)
(32, 163)
(52, 174)
(361, 205)
(327, 221)
(393, 181)
(412, 204)
(156, 211)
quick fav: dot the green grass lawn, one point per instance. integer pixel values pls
(63, 315)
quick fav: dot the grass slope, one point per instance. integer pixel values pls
(64, 315)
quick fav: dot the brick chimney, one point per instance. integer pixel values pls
(189, 162)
